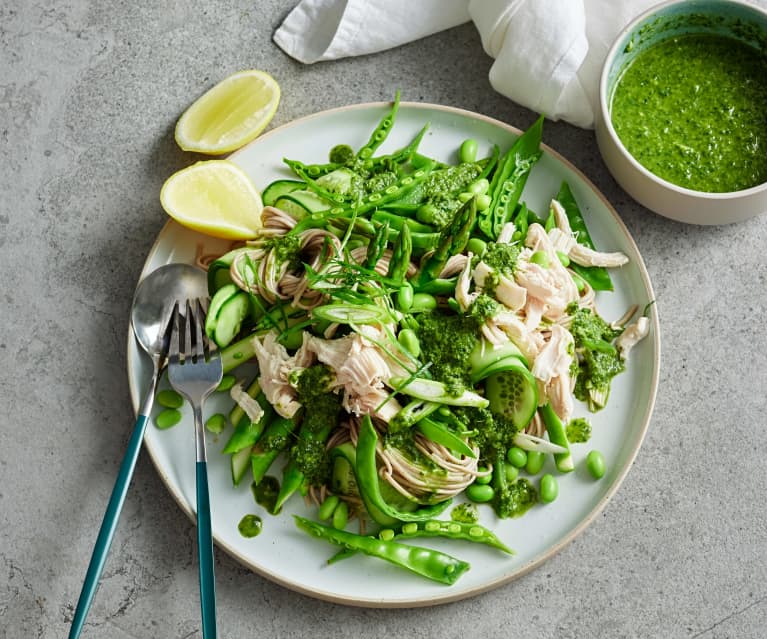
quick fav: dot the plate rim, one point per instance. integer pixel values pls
(535, 562)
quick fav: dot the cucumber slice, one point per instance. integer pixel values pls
(230, 317)
(299, 203)
(221, 297)
(485, 356)
(218, 271)
(513, 394)
(239, 463)
(278, 188)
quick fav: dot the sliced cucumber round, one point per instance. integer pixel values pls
(484, 357)
(513, 394)
(221, 297)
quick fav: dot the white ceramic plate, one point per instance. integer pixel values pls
(288, 556)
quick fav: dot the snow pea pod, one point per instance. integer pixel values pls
(557, 435)
(453, 530)
(300, 169)
(429, 563)
(441, 434)
(510, 178)
(597, 276)
(246, 432)
(381, 132)
(274, 440)
(369, 488)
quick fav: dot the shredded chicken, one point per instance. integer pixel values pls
(508, 292)
(247, 403)
(551, 370)
(633, 334)
(276, 367)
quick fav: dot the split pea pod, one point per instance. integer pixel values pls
(432, 564)
(453, 530)
(400, 259)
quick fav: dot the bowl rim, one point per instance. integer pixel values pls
(604, 110)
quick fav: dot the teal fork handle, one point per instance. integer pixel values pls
(108, 526)
(205, 554)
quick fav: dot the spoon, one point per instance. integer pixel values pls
(152, 306)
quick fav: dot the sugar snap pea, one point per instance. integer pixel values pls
(432, 564)
(453, 530)
(381, 132)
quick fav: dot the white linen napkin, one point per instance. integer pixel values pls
(548, 53)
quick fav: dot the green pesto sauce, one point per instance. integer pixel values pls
(250, 526)
(447, 342)
(265, 493)
(465, 513)
(578, 430)
(693, 110)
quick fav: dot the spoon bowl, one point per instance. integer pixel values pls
(153, 304)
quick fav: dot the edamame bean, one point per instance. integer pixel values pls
(540, 258)
(292, 339)
(226, 383)
(341, 516)
(563, 259)
(167, 418)
(169, 398)
(595, 463)
(484, 479)
(426, 213)
(468, 151)
(405, 298)
(483, 202)
(535, 461)
(476, 246)
(216, 423)
(579, 282)
(480, 493)
(409, 341)
(328, 507)
(423, 302)
(516, 456)
(512, 472)
(480, 187)
(549, 488)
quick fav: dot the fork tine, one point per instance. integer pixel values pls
(186, 334)
(173, 347)
(197, 320)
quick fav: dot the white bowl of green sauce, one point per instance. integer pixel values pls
(683, 110)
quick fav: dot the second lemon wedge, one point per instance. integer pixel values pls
(229, 115)
(215, 197)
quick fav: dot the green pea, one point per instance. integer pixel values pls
(328, 507)
(341, 516)
(169, 398)
(468, 151)
(480, 187)
(476, 246)
(563, 259)
(465, 196)
(535, 461)
(226, 383)
(595, 463)
(483, 202)
(480, 493)
(549, 488)
(516, 456)
(386, 534)
(405, 298)
(167, 418)
(410, 528)
(580, 283)
(409, 341)
(485, 479)
(423, 302)
(540, 258)
(512, 472)
(426, 213)
(216, 423)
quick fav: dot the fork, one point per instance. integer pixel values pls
(194, 370)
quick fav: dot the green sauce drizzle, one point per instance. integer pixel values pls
(250, 526)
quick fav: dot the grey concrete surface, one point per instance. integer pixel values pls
(89, 95)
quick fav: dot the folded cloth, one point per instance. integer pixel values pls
(548, 53)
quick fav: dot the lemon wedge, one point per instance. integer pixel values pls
(229, 115)
(215, 197)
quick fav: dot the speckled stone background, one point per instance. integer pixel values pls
(89, 95)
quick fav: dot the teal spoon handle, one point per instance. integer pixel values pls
(112, 514)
